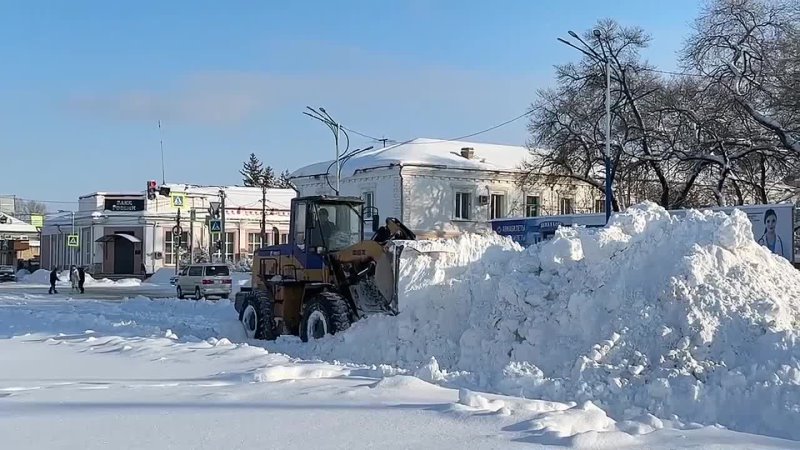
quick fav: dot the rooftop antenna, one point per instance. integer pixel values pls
(161, 141)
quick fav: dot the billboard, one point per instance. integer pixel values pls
(773, 226)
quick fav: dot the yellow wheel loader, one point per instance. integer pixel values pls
(327, 276)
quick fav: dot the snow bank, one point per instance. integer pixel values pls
(161, 276)
(42, 276)
(673, 316)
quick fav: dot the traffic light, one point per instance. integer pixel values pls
(218, 245)
(152, 188)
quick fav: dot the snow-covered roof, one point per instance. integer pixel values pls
(236, 196)
(428, 152)
(14, 225)
(239, 196)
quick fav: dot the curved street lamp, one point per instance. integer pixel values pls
(336, 128)
(589, 51)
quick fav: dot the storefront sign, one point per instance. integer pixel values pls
(124, 204)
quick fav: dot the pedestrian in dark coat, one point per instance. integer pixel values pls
(81, 278)
(53, 279)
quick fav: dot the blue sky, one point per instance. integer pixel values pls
(84, 83)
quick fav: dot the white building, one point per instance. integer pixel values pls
(438, 185)
(125, 233)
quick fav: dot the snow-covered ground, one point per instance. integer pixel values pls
(179, 374)
(655, 332)
(157, 285)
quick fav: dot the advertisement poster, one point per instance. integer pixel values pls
(773, 226)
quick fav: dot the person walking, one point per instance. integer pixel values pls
(53, 279)
(81, 278)
(73, 278)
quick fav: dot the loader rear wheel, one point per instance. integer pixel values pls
(327, 313)
(258, 315)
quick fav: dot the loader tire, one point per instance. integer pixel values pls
(327, 313)
(258, 316)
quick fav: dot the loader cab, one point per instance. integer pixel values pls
(323, 224)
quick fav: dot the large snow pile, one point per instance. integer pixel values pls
(683, 316)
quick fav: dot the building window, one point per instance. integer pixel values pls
(284, 238)
(253, 242)
(369, 199)
(497, 206)
(229, 237)
(600, 206)
(170, 246)
(565, 205)
(463, 205)
(369, 203)
(531, 206)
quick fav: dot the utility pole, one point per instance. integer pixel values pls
(383, 141)
(192, 217)
(222, 235)
(176, 242)
(263, 215)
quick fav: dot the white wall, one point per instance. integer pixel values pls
(384, 183)
(428, 195)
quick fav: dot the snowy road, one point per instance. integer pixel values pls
(166, 373)
(96, 292)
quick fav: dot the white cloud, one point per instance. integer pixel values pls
(330, 75)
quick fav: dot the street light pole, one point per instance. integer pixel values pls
(337, 129)
(72, 253)
(338, 163)
(588, 51)
(607, 155)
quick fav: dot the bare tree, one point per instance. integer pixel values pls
(752, 49)
(24, 209)
(567, 121)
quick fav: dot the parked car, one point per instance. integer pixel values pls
(205, 280)
(7, 273)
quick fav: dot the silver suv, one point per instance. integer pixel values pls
(204, 280)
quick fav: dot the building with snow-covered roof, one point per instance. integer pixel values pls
(125, 233)
(443, 185)
(19, 240)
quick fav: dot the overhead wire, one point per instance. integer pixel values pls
(458, 138)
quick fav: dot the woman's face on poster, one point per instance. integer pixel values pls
(771, 221)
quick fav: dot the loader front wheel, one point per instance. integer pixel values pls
(258, 315)
(327, 313)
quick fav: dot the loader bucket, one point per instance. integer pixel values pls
(376, 290)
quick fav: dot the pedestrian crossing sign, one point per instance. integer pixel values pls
(177, 200)
(215, 226)
(73, 241)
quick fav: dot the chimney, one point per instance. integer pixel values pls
(468, 152)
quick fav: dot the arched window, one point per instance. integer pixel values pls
(276, 236)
